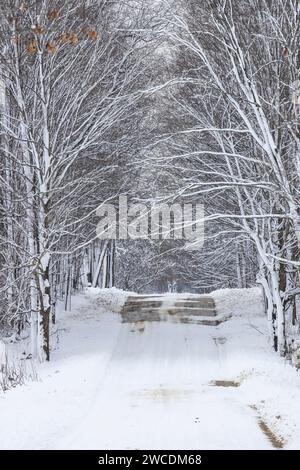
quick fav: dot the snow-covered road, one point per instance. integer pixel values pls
(156, 393)
(151, 386)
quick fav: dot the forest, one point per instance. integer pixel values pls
(175, 102)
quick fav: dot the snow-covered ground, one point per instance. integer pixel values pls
(159, 385)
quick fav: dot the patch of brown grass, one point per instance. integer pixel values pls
(225, 383)
(277, 442)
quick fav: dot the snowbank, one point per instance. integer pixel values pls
(111, 300)
(240, 302)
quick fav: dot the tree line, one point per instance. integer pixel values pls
(178, 101)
